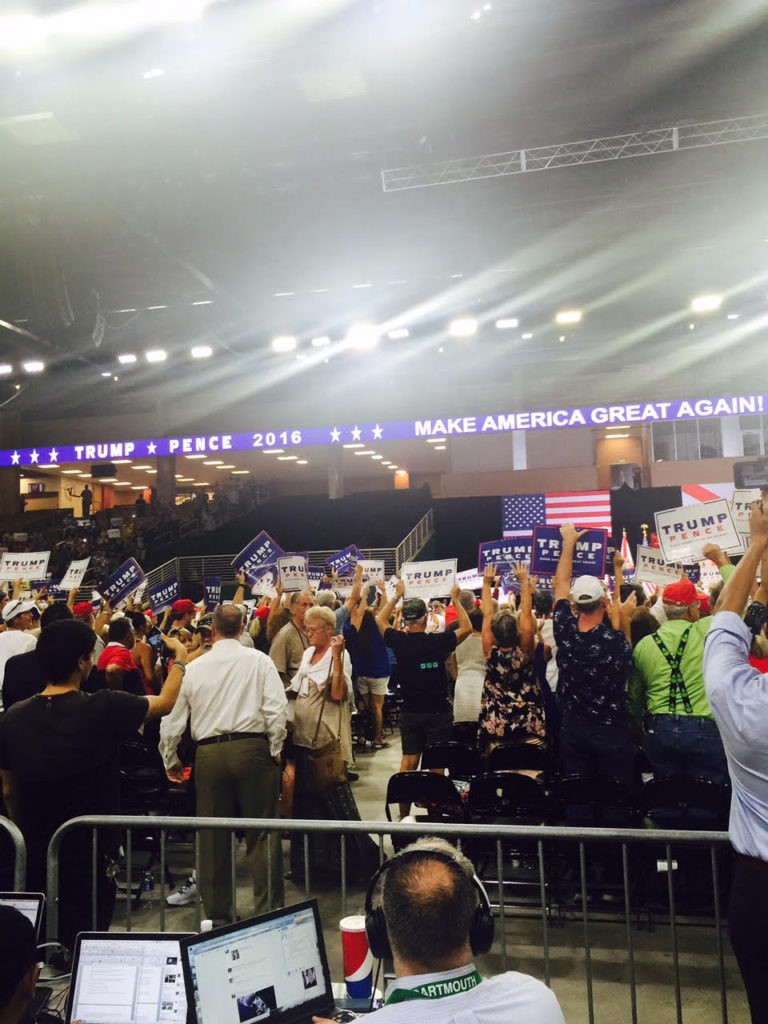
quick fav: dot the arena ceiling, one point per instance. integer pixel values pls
(216, 182)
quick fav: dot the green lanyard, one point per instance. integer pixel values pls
(436, 989)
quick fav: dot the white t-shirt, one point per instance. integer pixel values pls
(510, 998)
(14, 641)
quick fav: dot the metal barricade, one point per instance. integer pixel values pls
(604, 930)
(19, 853)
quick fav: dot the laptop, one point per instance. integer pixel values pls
(127, 978)
(273, 967)
(31, 905)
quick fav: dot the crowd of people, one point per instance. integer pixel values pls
(258, 698)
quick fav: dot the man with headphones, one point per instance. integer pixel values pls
(434, 916)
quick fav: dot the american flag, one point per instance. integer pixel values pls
(521, 512)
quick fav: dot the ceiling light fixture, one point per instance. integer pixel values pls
(287, 458)
(33, 366)
(272, 451)
(143, 467)
(5, 369)
(201, 352)
(463, 327)
(706, 303)
(156, 355)
(227, 466)
(302, 462)
(213, 462)
(126, 358)
(193, 457)
(367, 451)
(568, 316)
(284, 343)
(398, 333)
(363, 336)
(321, 341)
(354, 444)
(436, 440)
(507, 324)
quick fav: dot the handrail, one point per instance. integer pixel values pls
(19, 853)
(195, 567)
(414, 541)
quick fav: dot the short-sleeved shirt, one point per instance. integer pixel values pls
(287, 650)
(64, 754)
(421, 668)
(593, 668)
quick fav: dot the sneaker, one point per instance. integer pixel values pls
(186, 894)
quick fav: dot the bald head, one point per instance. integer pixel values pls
(227, 622)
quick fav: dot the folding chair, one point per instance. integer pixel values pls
(459, 760)
(435, 797)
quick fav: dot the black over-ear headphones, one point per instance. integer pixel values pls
(481, 929)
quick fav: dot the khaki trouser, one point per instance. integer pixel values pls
(238, 779)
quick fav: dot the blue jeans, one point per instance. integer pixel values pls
(685, 745)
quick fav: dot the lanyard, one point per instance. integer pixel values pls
(437, 989)
(676, 681)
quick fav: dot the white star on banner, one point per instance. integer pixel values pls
(34, 456)
(377, 432)
(53, 455)
(335, 435)
(15, 459)
(356, 432)
(151, 448)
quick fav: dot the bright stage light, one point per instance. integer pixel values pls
(363, 336)
(33, 366)
(126, 358)
(201, 352)
(706, 303)
(507, 324)
(156, 355)
(568, 316)
(463, 327)
(284, 343)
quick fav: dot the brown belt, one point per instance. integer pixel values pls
(227, 737)
(753, 863)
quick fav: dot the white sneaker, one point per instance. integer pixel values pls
(186, 894)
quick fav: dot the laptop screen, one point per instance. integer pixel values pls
(127, 977)
(274, 966)
(30, 904)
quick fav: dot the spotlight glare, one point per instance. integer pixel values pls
(284, 343)
(126, 358)
(156, 355)
(399, 333)
(5, 369)
(321, 341)
(568, 316)
(362, 336)
(33, 366)
(463, 327)
(706, 303)
(507, 324)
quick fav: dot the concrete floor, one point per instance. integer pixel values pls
(656, 998)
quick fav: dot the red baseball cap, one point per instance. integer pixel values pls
(682, 593)
(183, 606)
(82, 608)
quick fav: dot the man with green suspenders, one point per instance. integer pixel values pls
(680, 734)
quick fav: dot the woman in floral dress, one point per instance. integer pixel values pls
(512, 707)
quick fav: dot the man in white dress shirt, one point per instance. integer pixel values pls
(738, 696)
(237, 705)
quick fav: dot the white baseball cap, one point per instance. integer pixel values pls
(587, 590)
(14, 608)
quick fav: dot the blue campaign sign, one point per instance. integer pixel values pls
(212, 586)
(123, 582)
(503, 553)
(693, 572)
(162, 595)
(344, 561)
(588, 557)
(258, 556)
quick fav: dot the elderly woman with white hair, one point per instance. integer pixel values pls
(321, 711)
